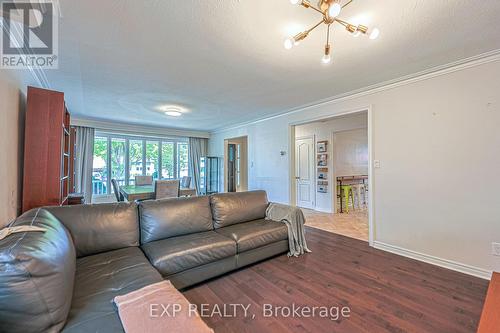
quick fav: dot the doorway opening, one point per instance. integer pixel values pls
(236, 164)
(331, 173)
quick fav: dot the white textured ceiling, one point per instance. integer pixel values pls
(224, 59)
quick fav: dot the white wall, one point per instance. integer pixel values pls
(323, 131)
(11, 147)
(350, 152)
(438, 141)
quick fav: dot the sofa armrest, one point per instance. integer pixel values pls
(37, 272)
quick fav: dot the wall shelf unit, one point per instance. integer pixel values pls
(322, 166)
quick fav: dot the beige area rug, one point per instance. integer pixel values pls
(354, 224)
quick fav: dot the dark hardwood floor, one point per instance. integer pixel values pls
(384, 292)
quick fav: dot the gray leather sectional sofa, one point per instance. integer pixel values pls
(66, 277)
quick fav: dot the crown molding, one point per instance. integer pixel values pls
(122, 128)
(433, 72)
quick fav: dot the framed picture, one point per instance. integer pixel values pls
(322, 160)
(322, 146)
(322, 175)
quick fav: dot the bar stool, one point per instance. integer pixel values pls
(346, 192)
(360, 191)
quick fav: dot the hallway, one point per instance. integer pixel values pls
(354, 224)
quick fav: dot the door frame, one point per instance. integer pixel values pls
(371, 196)
(314, 169)
(246, 161)
(231, 146)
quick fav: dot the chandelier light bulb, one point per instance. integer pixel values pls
(295, 2)
(374, 33)
(289, 42)
(334, 10)
(326, 59)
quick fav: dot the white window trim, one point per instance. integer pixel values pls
(109, 135)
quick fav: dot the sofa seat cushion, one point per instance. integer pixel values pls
(101, 277)
(254, 234)
(176, 254)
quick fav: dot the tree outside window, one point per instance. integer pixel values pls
(183, 158)
(99, 167)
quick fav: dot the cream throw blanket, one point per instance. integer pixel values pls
(151, 310)
(294, 220)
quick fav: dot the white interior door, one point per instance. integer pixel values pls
(304, 172)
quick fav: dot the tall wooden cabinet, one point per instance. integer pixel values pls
(47, 150)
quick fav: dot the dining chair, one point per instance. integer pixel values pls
(186, 182)
(116, 189)
(143, 180)
(167, 189)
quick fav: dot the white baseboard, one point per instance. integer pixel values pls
(449, 264)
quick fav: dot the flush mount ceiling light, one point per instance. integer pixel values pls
(173, 113)
(172, 110)
(330, 10)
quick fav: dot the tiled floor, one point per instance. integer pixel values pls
(354, 224)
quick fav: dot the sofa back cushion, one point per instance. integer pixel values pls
(167, 218)
(100, 228)
(232, 208)
(37, 272)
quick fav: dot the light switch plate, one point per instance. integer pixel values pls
(376, 164)
(495, 249)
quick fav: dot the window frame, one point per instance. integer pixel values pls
(152, 139)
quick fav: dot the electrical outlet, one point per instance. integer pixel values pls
(376, 164)
(495, 249)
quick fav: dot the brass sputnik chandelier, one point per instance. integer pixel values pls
(330, 10)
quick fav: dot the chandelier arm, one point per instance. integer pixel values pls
(316, 9)
(328, 35)
(344, 23)
(314, 27)
(347, 4)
